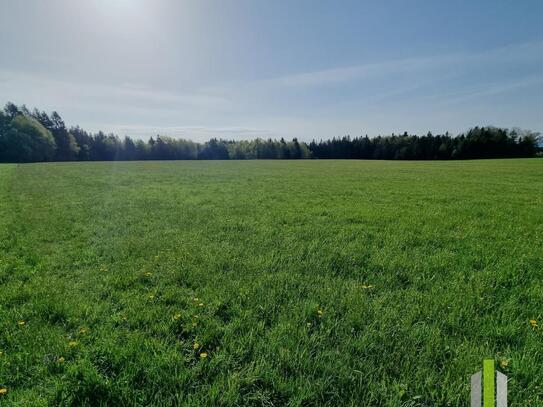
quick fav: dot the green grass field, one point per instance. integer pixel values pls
(337, 283)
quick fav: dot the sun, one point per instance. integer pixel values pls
(115, 7)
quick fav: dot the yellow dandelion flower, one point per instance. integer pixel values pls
(196, 345)
(3, 391)
(504, 363)
(201, 304)
(203, 355)
(533, 323)
(320, 313)
(61, 360)
(177, 316)
(72, 344)
(21, 323)
(365, 287)
(196, 299)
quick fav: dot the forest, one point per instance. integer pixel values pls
(35, 136)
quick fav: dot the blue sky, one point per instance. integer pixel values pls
(244, 69)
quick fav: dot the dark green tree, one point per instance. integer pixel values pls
(24, 139)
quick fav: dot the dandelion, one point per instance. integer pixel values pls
(203, 355)
(504, 363)
(21, 323)
(60, 360)
(196, 345)
(72, 344)
(177, 316)
(151, 296)
(533, 323)
(320, 313)
(196, 299)
(3, 391)
(201, 304)
(365, 287)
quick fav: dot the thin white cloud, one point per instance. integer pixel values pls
(350, 73)
(379, 98)
(504, 55)
(493, 88)
(35, 87)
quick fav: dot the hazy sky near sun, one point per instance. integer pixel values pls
(250, 68)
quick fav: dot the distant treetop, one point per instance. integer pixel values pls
(33, 136)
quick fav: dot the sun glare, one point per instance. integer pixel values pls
(120, 7)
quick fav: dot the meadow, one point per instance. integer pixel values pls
(269, 283)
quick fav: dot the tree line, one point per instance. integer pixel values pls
(33, 136)
(478, 142)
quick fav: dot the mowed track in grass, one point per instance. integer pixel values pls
(305, 282)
